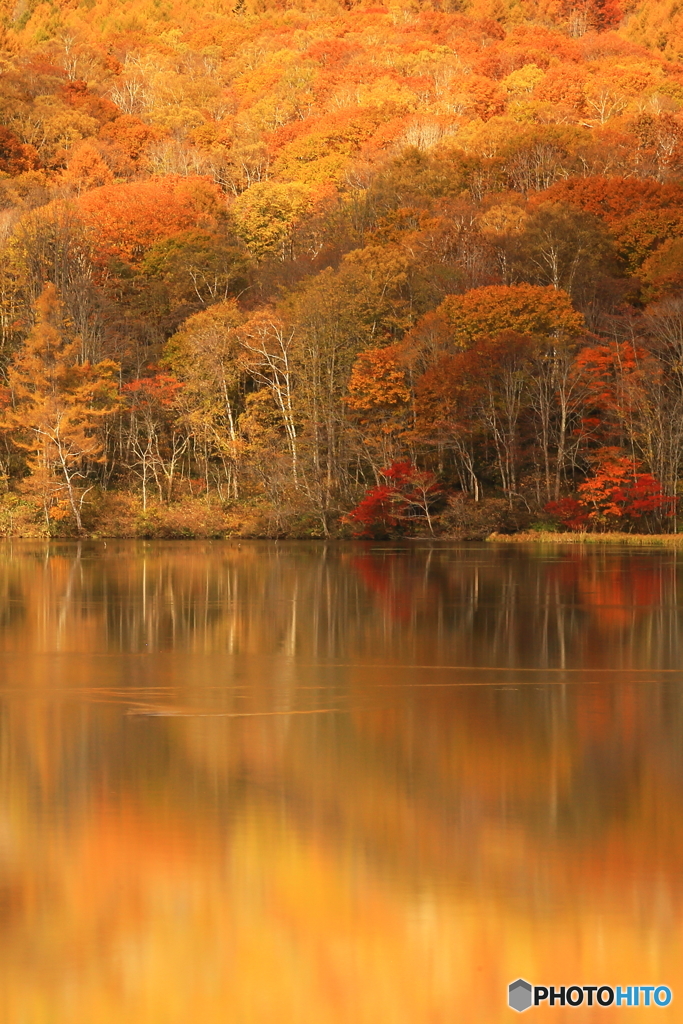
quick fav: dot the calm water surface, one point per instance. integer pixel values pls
(344, 784)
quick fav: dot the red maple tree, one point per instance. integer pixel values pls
(407, 496)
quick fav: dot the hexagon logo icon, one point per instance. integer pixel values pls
(519, 995)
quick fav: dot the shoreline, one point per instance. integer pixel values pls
(123, 516)
(529, 537)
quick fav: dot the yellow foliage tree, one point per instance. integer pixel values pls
(206, 354)
(267, 215)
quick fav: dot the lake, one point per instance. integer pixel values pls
(353, 783)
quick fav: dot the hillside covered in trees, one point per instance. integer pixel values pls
(318, 269)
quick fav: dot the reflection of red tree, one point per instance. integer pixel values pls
(610, 594)
(377, 575)
(613, 596)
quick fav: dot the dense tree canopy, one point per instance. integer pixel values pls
(312, 242)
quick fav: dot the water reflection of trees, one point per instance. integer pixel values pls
(472, 605)
(532, 792)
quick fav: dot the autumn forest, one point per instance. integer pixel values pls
(318, 269)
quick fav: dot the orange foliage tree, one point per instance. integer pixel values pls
(379, 398)
(128, 218)
(57, 407)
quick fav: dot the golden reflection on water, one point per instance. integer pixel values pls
(248, 783)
